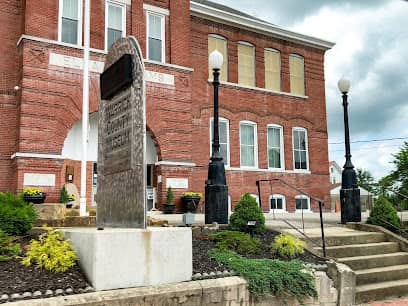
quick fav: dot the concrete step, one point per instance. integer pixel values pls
(374, 261)
(352, 250)
(355, 238)
(381, 274)
(380, 291)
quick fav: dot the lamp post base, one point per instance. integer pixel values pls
(350, 205)
(216, 204)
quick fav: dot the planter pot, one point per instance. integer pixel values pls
(190, 204)
(69, 204)
(34, 199)
(168, 208)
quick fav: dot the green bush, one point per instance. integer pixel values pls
(267, 276)
(169, 196)
(247, 210)
(239, 242)
(288, 246)
(384, 214)
(51, 251)
(64, 196)
(16, 217)
(8, 249)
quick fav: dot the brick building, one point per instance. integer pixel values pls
(272, 97)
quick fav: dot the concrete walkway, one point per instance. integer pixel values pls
(388, 302)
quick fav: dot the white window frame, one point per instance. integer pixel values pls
(225, 60)
(79, 42)
(123, 7)
(245, 43)
(280, 66)
(282, 149)
(302, 196)
(297, 128)
(246, 122)
(163, 34)
(278, 196)
(256, 197)
(221, 119)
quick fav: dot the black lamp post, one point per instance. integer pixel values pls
(349, 193)
(216, 189)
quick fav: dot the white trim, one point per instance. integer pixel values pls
(282, 146)
(79, 29)
(264, 90)
(172, 66)
(298, 128)
(156, 9)
(174, 163)
(255, 196)
(301, 196)
(277, 196)
(272, 170)
(123, 7)
(246, 122)
(36, 155)
(221, 119)
(163, 35)
(210, 13)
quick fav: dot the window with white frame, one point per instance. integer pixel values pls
(70, 30)
(277, 203)
(272, 69)
(155, 37)
(255, 196)
(219, 43)
(297, 74)
(300, 151)
(246, 64)
(248, 144)
(302, 203)
(115, 23)
(223, 127)
(275, 146)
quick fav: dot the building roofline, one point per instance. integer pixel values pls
(256, 25)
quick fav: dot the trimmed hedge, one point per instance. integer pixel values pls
(384, 214)
(247, 209)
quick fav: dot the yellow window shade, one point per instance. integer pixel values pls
(220, 44)
(297, 75)
(246, 65)
(272, 70)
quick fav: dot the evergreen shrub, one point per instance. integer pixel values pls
(239, 242)
(247, 209)
(8, 249)
(384, 214)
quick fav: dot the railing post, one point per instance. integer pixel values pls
(258, 184)
(322, 228)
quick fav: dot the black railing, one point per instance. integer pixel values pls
(321, 204)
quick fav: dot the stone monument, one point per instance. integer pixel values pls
(122, 252)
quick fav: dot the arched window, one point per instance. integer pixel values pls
(297, 74)
(248, 144)
(223, 127)
(246, 64)
(277, 203)
(272, 69)
(302, 203)
(275, 147)
(219, 43)
(300, 148)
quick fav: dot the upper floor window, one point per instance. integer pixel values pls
(248, 144)
(70, 30)
(216, 42)
(272, 69)
(302, 203)
(275, 146)
(300, 151)
(155, 37)
(297, 74)
(115, 23)
(223, 128)
(277, 202)
(246, 64)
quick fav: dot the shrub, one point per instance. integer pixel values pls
(288, 246)
(64, 196)
(247, 210)
(16, 217)
(267, 276)
(51, 251)
(169, 196)
(8, 249)
(239, 242)
(384, 214)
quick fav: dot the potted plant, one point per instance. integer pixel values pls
(190, 201)
(34, 195)
(169, 207)
(66, 198)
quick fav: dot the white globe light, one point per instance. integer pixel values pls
(216, 60)
(344, 85)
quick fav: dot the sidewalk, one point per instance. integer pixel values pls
(390, 302)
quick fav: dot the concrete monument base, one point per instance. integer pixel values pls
(124, 258)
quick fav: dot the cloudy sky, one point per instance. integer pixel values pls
(371, 50)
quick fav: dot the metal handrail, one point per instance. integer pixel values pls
(402, 233)
(321, 203)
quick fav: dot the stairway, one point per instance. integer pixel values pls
(380, 266)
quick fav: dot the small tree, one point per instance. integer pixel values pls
(247, 209)
(169, 196)
(384, 214)
(64, 196)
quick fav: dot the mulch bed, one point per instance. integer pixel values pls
(16, 278)
(202, 263)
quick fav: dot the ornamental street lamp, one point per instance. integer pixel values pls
(349, 193)
(216, 189)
